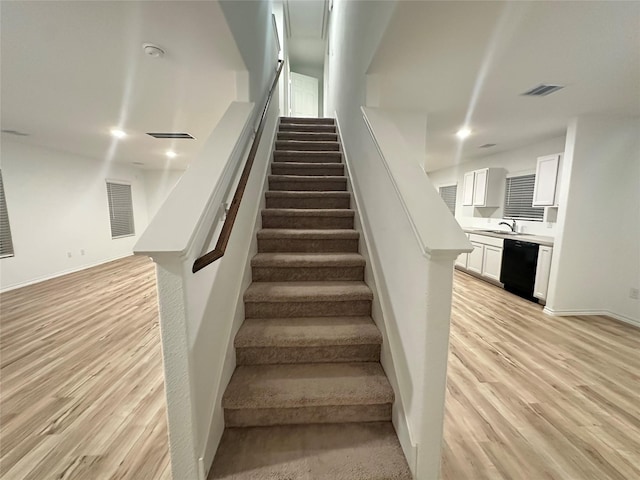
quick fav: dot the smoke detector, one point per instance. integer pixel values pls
(152, 50)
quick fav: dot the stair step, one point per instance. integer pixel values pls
(300, 146)
(260, 395)
(307, 299)
(308, 169)
(308, 340)
(307, 157)
(307, 183)
(353, 451)
(291, 240)
(308, 136)
(281, 267)
(302, 127)
(284, 199)
(307, 218)
(307, 121)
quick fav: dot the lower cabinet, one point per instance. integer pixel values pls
(461, 261)
(486, 257)
(542, 272)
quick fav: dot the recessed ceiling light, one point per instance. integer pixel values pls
(487, 145)
(171, 154)
(463, 133)
(152, 50)
(137, 163)
(118, 133)
(15, 132)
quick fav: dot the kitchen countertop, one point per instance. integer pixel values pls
(525, 237)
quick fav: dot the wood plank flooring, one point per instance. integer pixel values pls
(81, 380)
(529, 396)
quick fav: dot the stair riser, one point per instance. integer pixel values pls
(307, 415)
(311, 222)
(311, 157)
(353, 308)
(307, 121)
(307, 274)
(307, 146)
(307, 245)
(326, 354)
(318, 202)
(281, 168)
(299, 127)
(319, 185)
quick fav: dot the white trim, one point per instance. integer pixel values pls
(606, 313)
(63, 273)
(405, 436)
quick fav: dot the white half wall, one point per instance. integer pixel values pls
(598, 247)
(59, 212)
(518, 161)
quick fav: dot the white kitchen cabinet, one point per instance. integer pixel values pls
(545, 191)
(467, 188)
(543, 269)
(484, 187)
(461, 261)
(474, 262)
(492, 262)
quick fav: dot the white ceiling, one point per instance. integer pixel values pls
(306, 22)
(459, 60)
(71, 71)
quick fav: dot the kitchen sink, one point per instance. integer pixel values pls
(503, 232)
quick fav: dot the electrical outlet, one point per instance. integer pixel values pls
(69, 254)
(634, 293)
(82, 252)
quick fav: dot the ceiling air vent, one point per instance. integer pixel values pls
(170, 135)
(542, 90)
(487, 145)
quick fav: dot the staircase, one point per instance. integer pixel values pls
(309, 398)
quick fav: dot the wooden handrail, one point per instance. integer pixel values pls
(223, 239)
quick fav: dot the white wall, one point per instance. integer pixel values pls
(58, 204)
(158, 185)
(518, 161)
(598, 250)
(252, 27)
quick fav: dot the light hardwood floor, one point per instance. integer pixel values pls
(81, 377)
(529, 396)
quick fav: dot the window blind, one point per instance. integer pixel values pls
(6, 243)
(448, 194)
(519, 197)
(120, 209)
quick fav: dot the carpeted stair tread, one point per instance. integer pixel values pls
(306, 127)
(307, 385)
(310, 233)
(354, 451)
(301, 146)
(278, 292)
(307, 157)
(307, 169)
(309, 136)
(307, 199)
(285, 259)
(308, 212)
(308, 120)
(307, 332)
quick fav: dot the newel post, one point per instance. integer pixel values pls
(438, 321)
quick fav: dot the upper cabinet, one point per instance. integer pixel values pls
(484, 187)
(545, 192)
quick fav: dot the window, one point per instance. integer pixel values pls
(519, 197)
(448, 194)
(120, 209)
(6, 243)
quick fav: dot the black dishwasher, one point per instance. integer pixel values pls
(518, 273)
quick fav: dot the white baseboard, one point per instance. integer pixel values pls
(616, 316)
(63, 273)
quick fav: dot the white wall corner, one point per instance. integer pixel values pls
(373, 90)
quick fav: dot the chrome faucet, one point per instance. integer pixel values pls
(511, 226)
